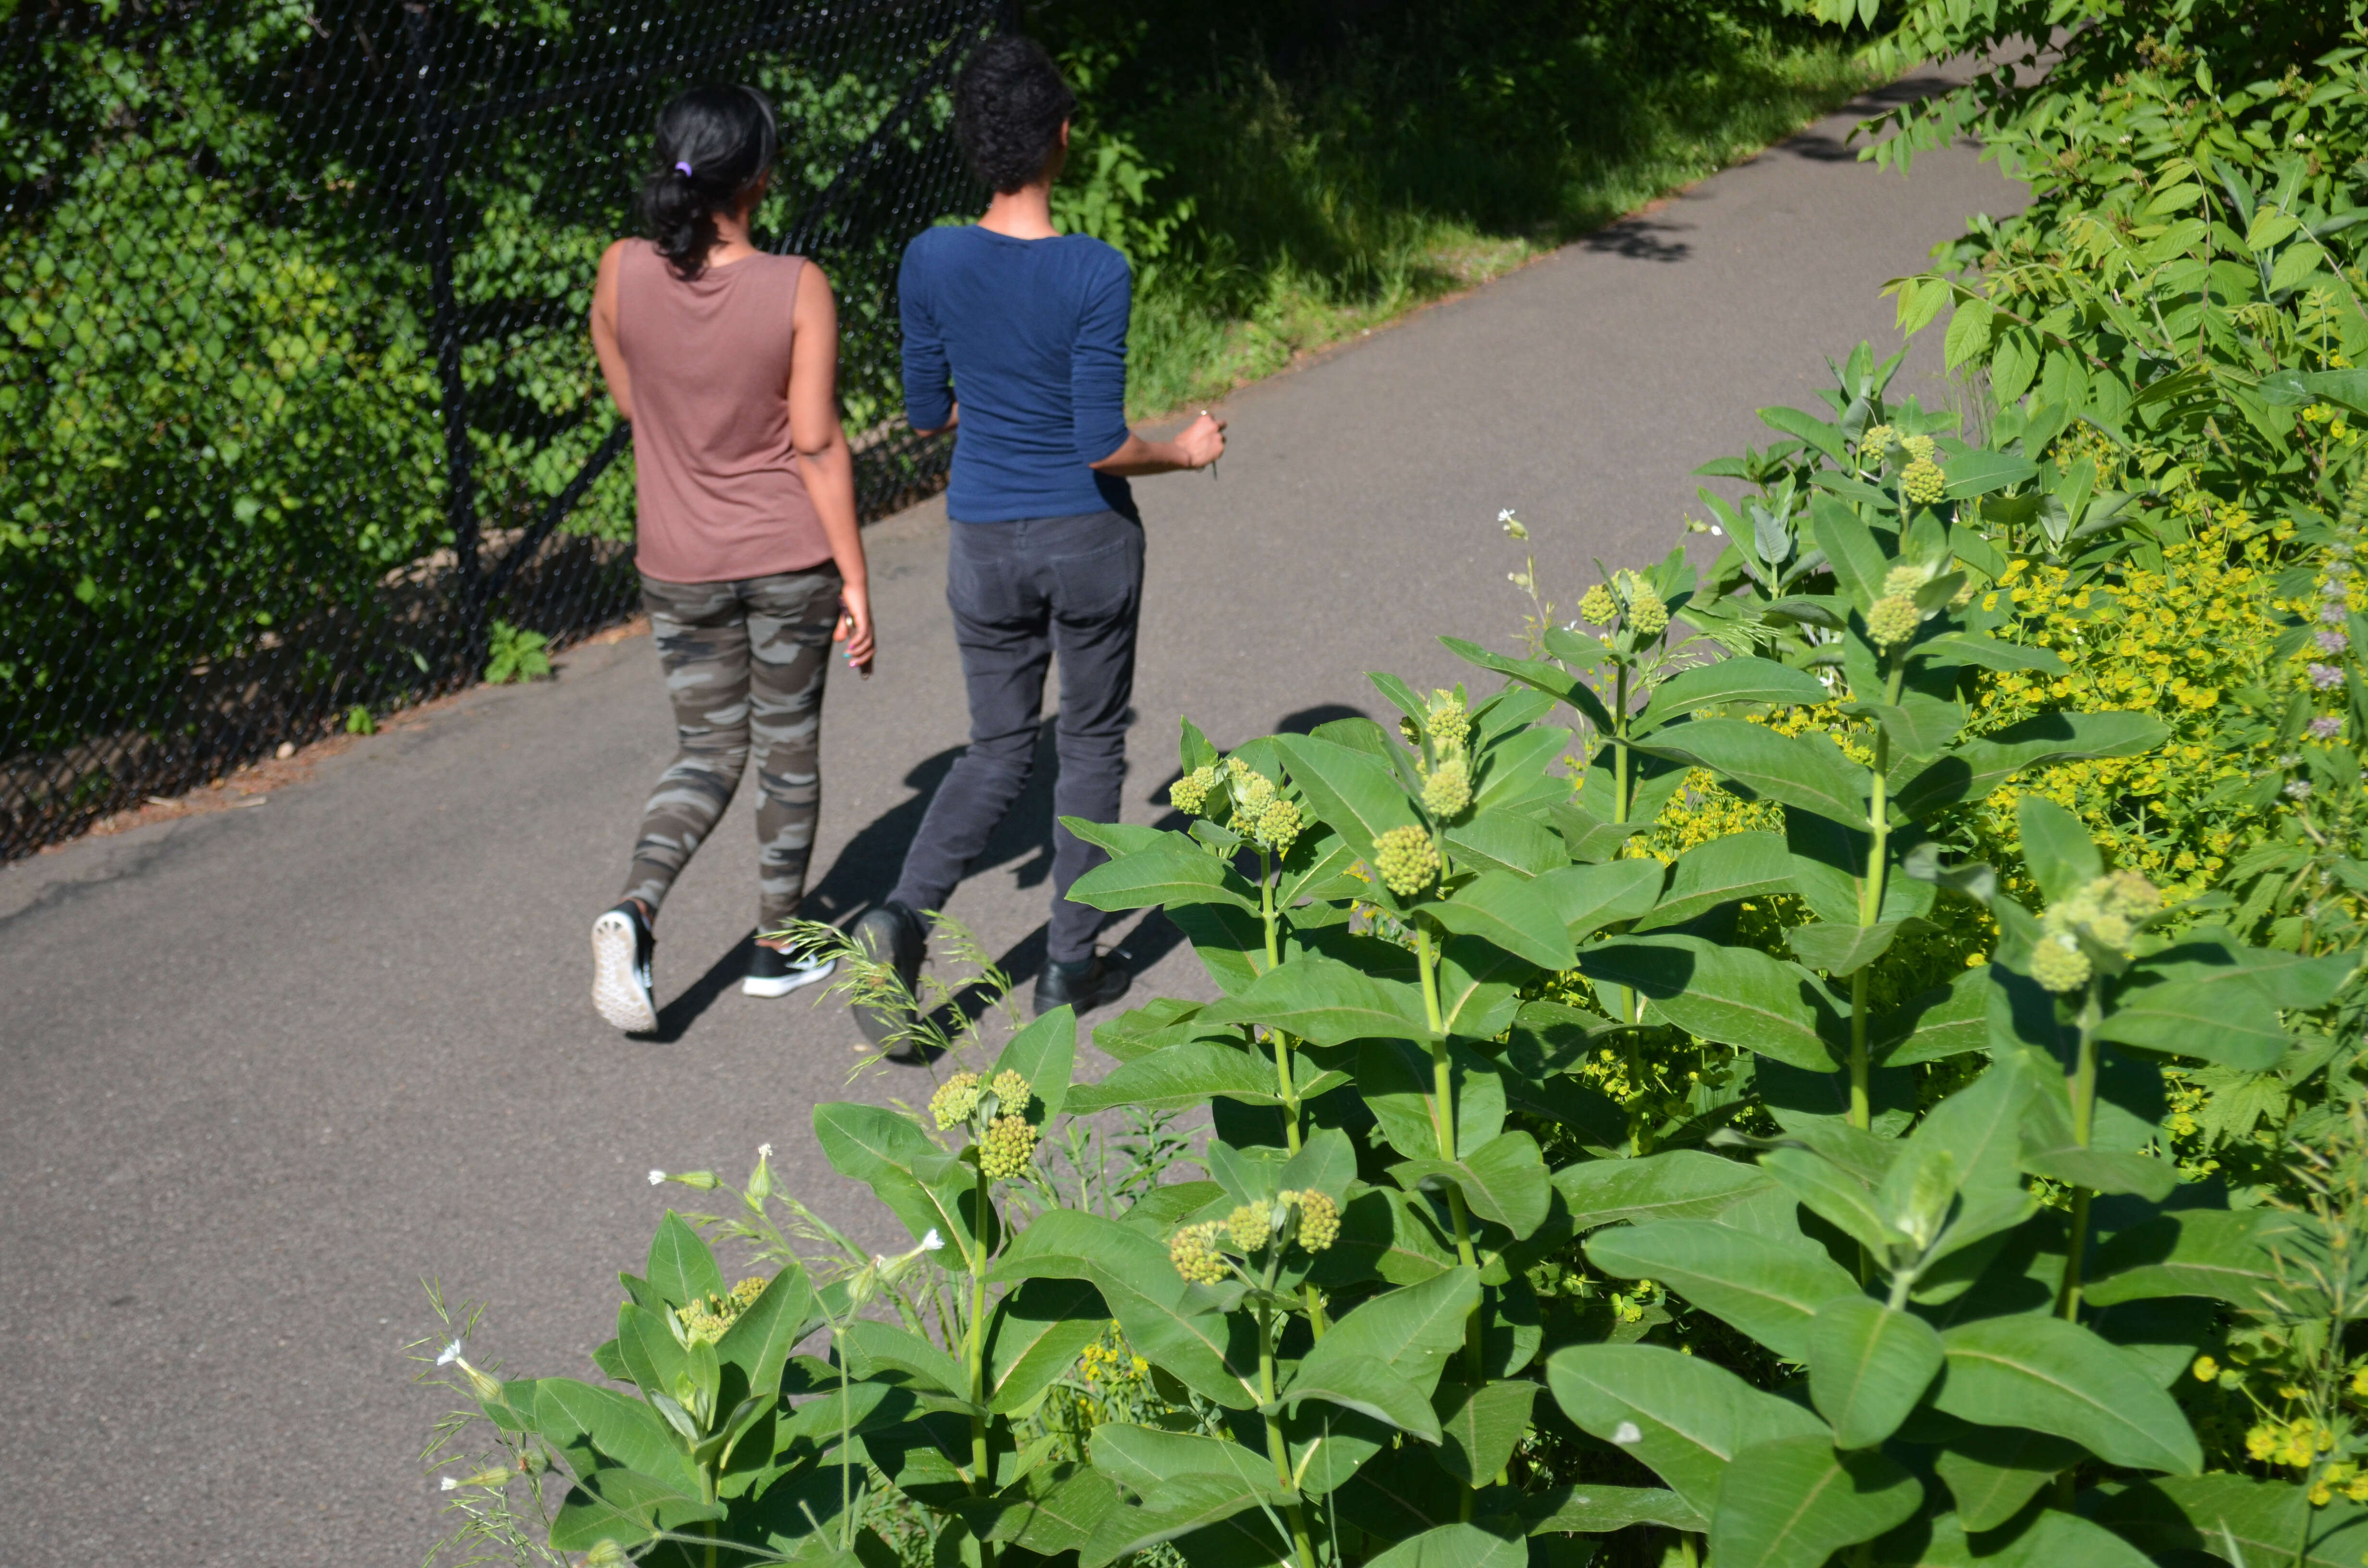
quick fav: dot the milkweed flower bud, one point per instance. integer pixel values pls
(1406, 860)
(1008, 1146)
(1012, 1092)
(1922, 482)
(1448, 724)
(1891, 620)
(955, 1099)
(606, 1554)
(1190, 793)
(1194, 1251)
(1902, 581)
(1876, 442)
(1647, 615)
(1319, 1218)
(1278, 825)
(2058, 964)
(1920, 449)
(1251, 1226)
(1448, 790)
(1597, 607)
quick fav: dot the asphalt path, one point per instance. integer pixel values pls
(262, 1072)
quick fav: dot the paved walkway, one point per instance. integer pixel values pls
(261, 1072)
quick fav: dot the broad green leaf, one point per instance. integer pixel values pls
(1412, 1331)
(580, 1420)
(1993, 1470)
(2223, 1021)
(1969, 332)
(1841, 1198)
(1770, 1290)
(1990, 653)
(1180, 1078)
(2056, 848)
(1457, 1545)
(1948, 1021)
(1683, 1184)
(1592, 897)
(885, 1151)
(1678, 1415)
(1326, 1001)
(1858, 562)
(1841, 950)
(1229, 942)
(2049, 1149)
(1516, 771)
(1869, 1365)
(1479, 987)
(681, 1268)
(1974, 769)
(1504, 908)
(1141, 1458)
(880, 1347)
(1036, 1335)
(2036, 1370)
(1164, 874)
(1502, 1181)
(2226, 1255)
(1382, 1235)
(1735, 866)
(1917, 726)
(1356, 794)
(1590, 1509)
(1160, 1315)
(1552, 679)
(1826, 437)
(1481, 1426)
(1793, 1503)
(2049, 1539)
(1398, 1083)
(760, 1339)
(1807, 770)
(1506, 843)
(1044, 1053)
(1736, 997)
(1740, 679)
(1369, 1388)
(1051, 1510)
(625, 1506)
(1116, 838)
(1982, 470)
(1177, 1507)
(2224, 1516)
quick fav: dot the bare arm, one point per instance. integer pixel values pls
(604, 331)
(823, 453)
(1198, 445)
(952, 421)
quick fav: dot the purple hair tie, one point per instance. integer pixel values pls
(683, 169)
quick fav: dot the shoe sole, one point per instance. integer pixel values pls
(784, 984)
(618, 994)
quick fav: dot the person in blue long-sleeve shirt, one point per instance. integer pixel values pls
(1014, 336)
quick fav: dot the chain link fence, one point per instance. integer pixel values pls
(299, 417)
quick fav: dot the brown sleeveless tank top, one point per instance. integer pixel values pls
(721, 492)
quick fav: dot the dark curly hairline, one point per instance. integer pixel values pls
(1008, 104)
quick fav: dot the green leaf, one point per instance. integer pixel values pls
(2036, 1370)
(1552, 679)
(582, 1421)
(1503, 1181)
(1160, 1315)
(1504, 909)
(1740, 679)
(681, 1268)
(1793, 1502)
(1808, 770)
(1842, 950)
(1141, 1458)
(2056, 848)
(1969, 332)
(623, 1505)
(760, 1339)
(1770, 1290)
(1179, 1507)
(1369, 1388)
(1481, 1426)
(1592, 897)
(883, 1150)
(1679, 1415)
(1981, 470)
(2225, 1515)
(1869, 1365)
(2049, 1539)
(1479, 987)
(1736, 997)
(1326, 1001)
(1036, 1335)
(1181, 1077)
(1117, 838)
(2212, 1020)
(1683, 1184)
(1735, 866)
(1858, 562)
(1164, 874)
(1454, 1546)
(1507, 842)
(1356, 794)
(1411, 1331)
(1946, 1021)
(1977, 768)
(2218, 1253)
(1993, 1470)
(1395, 1079)
(876, 1347)
(1590, 1509)
(1044, 1053)
(1991, 653)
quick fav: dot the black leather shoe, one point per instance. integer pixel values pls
(1083, 987)
(890, 933)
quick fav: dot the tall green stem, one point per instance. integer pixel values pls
(2084, 1121)
(1442, 1094)
(1870, 903)
(982, 1469)
(1275, 1450)
(1280, 1041)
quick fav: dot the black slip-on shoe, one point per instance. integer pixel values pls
(890, 933)
(1085, 985)
(622, 947)
(772, 972)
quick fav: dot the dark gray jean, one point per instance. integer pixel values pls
(1022, 591)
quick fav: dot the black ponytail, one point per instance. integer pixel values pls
(714, 143)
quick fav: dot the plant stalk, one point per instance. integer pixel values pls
(2083, 1119)
(1281, 1041)
(1301, 1542)
(1870, 901)
(1442, 1092)
(982, 1477)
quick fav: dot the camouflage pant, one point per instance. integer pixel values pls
(744, 665)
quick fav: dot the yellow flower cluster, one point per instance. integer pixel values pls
(705, 1320)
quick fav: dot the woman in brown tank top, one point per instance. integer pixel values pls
(725, 359)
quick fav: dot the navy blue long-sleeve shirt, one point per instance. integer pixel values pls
(1030, 335)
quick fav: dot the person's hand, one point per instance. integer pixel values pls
(855, 627)
(1202, 441)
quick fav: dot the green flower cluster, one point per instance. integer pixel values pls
(1903, 580)
(1920, 449)
(1190, 793)
(1309, 1218)
(1253, 1225)
(1406, 860)
(703, 1321)
(1449, 723)
(1597, 607)
(1008, 1146)
(955, 1099)
(1194, 1251)
(1876, 442)
(1922, 481)
(1648, 615)
(1891, 620)
(2107, 915)
(1448, 790)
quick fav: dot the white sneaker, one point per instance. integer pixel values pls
(622, 946)
(772, 972)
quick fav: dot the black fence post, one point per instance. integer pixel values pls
(459, 477)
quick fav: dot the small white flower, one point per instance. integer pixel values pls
(1506, 516)
(657, 1177)
(764, 1150)
(451, 1353)
(1717, 532)
(933, 1241)
(451, 1485)
(1626, 1432)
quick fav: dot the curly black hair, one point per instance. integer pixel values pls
(714, 143)
(1008, 105)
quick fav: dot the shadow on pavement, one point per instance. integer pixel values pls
(677, 1017)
